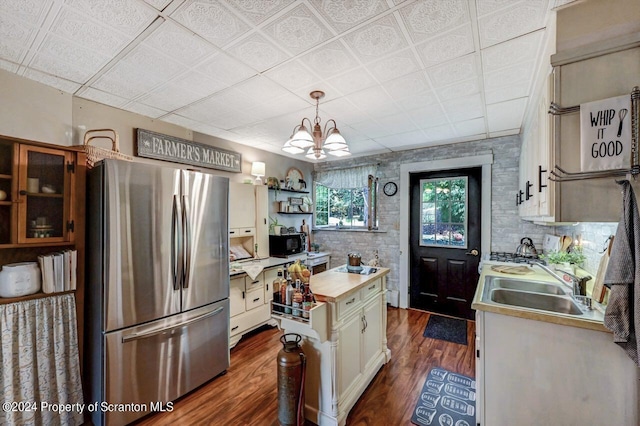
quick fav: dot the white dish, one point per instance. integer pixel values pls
(48, 189)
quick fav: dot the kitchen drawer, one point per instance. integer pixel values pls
(254, 299)
(317, 260)
(253, 285)
(241, 232)
(371, 289)
(348, 304)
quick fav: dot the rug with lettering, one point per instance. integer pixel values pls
(447, 399)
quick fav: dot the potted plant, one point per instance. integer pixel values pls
(315, 247)
(275, 228)
(563, 260)
(273, 183)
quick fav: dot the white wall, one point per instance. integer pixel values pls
(33, 111)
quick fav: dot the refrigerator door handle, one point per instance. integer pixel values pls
(187, 241)
(138, 336)
(176, 245)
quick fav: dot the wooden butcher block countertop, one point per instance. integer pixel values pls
(333, 285)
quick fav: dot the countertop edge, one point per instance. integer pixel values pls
(525, 313)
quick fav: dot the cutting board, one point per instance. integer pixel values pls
(598, 291)
(515, 270)
(550, 243)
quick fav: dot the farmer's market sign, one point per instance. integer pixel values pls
(177, 150)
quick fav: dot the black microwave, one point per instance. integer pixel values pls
(286, 244)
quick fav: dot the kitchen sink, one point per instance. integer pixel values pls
(525, 285)
(544, 302)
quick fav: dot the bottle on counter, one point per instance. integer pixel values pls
(289, 296)
(296, 306)
(297, 299)
(276, 291)
(307, 301)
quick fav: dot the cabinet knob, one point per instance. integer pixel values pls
(23, 192)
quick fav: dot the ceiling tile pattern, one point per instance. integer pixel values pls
(298, 30)
(398, 74)
(344, 15)
(429, 18)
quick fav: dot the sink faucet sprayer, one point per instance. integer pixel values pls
(578, 287)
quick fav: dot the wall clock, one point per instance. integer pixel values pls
(390, 188)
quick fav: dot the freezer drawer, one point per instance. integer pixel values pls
(161, 361)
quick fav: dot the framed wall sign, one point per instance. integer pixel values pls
(177, 150)
(295, 201)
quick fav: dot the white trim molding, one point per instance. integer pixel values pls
(485, 161)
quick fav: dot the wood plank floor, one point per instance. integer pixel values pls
(247, 393)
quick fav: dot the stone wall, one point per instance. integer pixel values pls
(507, 228)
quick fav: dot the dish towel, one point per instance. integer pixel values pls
(252, 270)
(622, 315)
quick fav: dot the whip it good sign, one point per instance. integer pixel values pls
(605, 134)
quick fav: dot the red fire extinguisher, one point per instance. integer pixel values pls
(292, 364)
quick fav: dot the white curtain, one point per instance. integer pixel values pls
(353, 177)
(39, 360)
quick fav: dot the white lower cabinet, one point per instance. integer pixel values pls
(249, 301)
(345, 348)
(350, 354)
(537, 373)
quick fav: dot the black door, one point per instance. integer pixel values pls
(445, 240)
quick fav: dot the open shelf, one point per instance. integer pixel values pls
(289, 190)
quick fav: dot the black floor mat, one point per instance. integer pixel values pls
(445, 328)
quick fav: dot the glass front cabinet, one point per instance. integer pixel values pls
(37, 188)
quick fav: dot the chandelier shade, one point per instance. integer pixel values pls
(302, 138)
(287, 147)
(320, 141)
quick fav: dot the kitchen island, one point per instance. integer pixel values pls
(344, 340)
(536, 366)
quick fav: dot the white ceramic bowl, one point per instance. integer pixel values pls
(48, 189)
(19, 279)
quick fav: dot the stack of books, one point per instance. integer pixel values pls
(58, 271)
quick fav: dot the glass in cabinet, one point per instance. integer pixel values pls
(7, 210)
(45, 195)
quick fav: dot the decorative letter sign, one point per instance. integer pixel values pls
(605, 134)
(169, 148)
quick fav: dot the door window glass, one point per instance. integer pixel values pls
(444, 212)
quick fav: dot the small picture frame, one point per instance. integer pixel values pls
(296, 201)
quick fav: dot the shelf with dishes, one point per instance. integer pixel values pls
(298, 191)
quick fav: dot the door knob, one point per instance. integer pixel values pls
(473, 252)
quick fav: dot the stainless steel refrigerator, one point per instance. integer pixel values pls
(157, 307)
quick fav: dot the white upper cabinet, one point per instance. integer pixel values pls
(242, 206)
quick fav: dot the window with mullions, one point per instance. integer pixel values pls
(444, 212)
(352, 208)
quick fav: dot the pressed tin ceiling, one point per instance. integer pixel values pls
(397, 74)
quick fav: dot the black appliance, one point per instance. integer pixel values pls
(286, 244)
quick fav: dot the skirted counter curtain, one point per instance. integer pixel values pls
(39, 360)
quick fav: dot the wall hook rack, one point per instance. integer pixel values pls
(560, 175)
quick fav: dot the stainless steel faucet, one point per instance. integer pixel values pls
(578, 287)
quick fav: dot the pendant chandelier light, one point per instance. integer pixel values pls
(320, 141)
